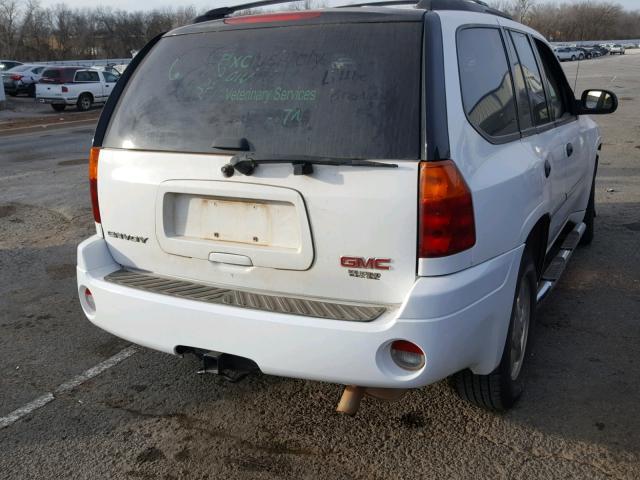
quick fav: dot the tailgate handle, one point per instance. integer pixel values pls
(230, 258)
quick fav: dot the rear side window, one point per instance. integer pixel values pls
(338, 90)
(532, 78)
(487, 91)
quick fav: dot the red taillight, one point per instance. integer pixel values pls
(16, 77)
(65, 89)
(272, 17)
(93, 182)
(446, 222)
(407, 355)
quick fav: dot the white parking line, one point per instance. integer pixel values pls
(66, 387)
(26, 410)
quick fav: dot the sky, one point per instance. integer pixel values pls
(204, 4)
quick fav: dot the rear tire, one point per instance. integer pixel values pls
(500, 389)
(573, 58)
(84, 102)
(58, 107)
(31, 90)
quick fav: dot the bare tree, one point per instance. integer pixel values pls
(522, 9)
(29, 31)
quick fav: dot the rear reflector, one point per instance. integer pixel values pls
(407, 355)
(93, 182)
(89, 301)
(272, 17)
(446, 222)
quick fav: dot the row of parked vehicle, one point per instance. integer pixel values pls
(583, 52)
(59, 86)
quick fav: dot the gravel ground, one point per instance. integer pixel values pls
(152, 417)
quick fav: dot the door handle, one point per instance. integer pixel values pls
(569, 149)
(547, 168)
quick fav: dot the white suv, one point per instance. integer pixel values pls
(369, 196)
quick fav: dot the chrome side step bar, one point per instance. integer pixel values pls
(556, 268)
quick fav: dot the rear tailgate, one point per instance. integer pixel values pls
(49, 90)
(340, 90)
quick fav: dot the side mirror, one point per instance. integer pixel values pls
(597, 102)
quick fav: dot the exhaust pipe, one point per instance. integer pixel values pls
(353, 394)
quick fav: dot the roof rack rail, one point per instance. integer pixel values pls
(464, 5)
(222, 12)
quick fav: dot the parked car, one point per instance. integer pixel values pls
(600, 50)
(616, 49)
(83, 87)
(588, 52)
(314, 215)
(22, 79)
(8, 64)
(569, 53)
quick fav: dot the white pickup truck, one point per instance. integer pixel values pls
(63, 86)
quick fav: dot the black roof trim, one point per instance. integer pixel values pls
(430, 5)
(221, 12)
(464, 5)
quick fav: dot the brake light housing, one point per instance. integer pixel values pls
(94, 155)
(16, 77)
(446, 223)
(65, 89)
(272, 17)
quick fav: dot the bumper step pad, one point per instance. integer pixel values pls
(223, 296)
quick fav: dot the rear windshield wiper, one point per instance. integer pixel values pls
(302, 164)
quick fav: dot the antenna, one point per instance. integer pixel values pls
(575, 82)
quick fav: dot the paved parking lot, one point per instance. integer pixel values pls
(148, 415)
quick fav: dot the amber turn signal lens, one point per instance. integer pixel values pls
(93, 182)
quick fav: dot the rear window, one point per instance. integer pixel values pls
(20, 68)
(51, 75)
(58, 75)
(86, 76)
(339, 90)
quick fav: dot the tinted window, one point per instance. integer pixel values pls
(532, 78)
(53, 74)
(87, 76)
(339, 90)
(109, 77)
(522, 94)
(8, 65)
(556, 81)
(20, 68)
(487, 91)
